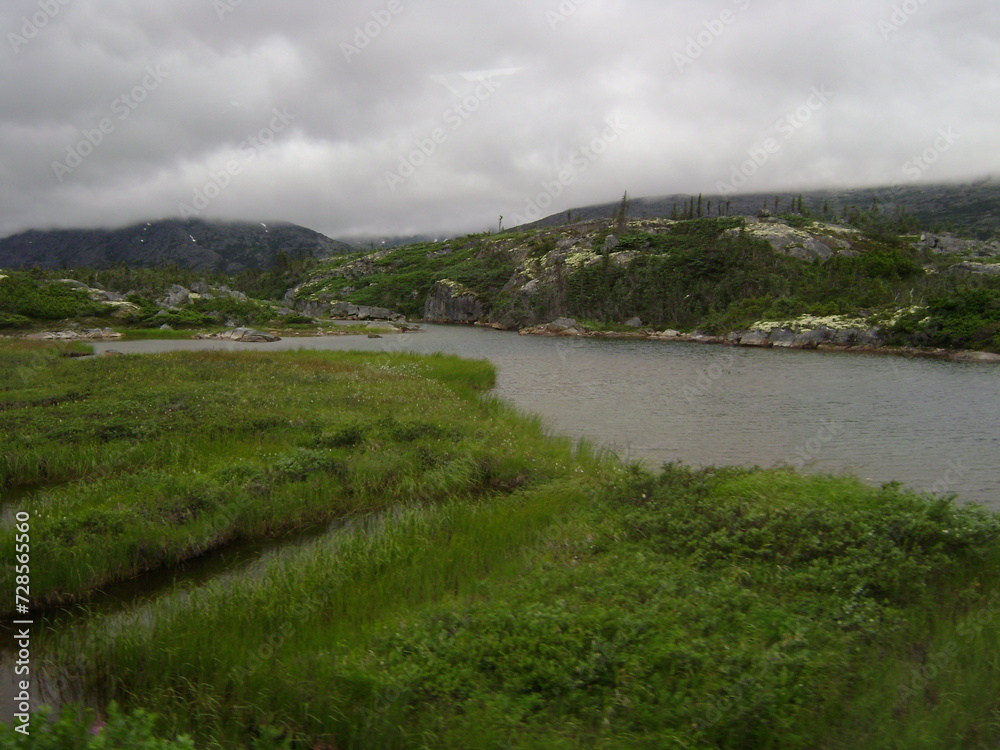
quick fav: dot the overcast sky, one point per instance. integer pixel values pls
(398, 117)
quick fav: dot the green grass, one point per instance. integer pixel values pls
(147, 461)
(702, 609)
(489, 585)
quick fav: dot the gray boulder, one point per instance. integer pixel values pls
(560, 324)
(755, 338)
(813, 338)
(782, 337)
(244, 335)
(176, 296)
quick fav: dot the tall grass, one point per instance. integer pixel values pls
(301, 612)
(490, 585)
(148, 461)
(727, 609)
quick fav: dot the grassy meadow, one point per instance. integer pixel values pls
(490, 586)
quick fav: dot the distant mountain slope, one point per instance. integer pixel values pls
(195, 244)
(971, 209)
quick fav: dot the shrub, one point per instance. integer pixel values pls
(13, 320)
(24, 296)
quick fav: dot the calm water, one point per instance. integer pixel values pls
(935, 426)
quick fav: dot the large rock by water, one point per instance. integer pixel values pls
(345, 311)
(243, 335)
(557, 327)
(450, 302)
(81, 334)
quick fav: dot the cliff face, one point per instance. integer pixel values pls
(198, 245)
(450, 302)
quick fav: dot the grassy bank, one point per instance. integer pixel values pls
(144, 461)
(489, 586)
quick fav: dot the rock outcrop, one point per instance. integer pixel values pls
(986, 269)
(83, 334)
(450, 302)
(344, 311)
(949, 244)
(557, 327)
(817, 242)
(243, 335)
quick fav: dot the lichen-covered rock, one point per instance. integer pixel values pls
(817, 242)
(450, 302)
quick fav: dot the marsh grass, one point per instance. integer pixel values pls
(488, 585)
(148, 461)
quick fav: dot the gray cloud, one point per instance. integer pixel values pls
(390, 116)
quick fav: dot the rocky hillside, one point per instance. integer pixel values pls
(198, 245)
(971, 209)
(718, 276)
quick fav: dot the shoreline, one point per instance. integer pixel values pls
(761, 342)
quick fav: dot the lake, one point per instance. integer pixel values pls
(932, 425)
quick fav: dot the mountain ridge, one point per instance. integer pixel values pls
(226, 247)
(971, 209)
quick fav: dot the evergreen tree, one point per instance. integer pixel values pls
(621, 216)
